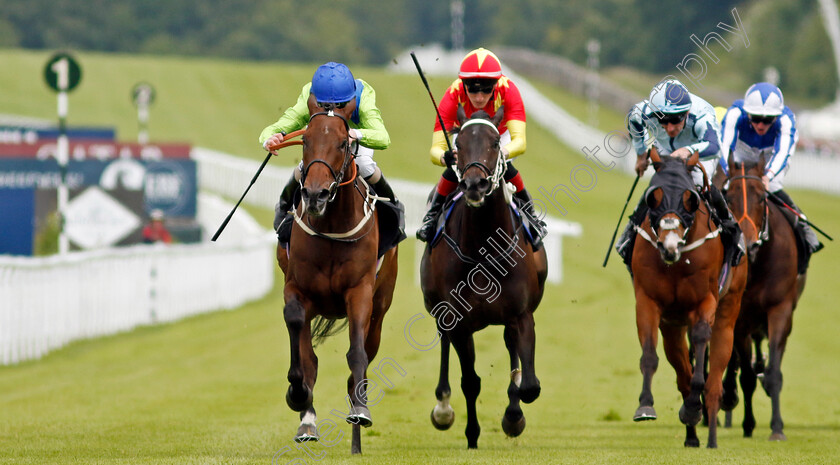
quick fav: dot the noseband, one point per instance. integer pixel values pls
(494, 176)
(348, 155)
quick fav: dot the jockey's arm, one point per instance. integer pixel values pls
(294, 118)
(517, 143)
(784, 146)
(438, 148)
(371, 125)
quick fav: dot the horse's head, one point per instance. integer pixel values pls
(326, 154)
(672, 201)
(747, 198)
(480, 162)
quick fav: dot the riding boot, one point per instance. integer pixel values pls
(538, 226)
(733, 243)
(625, 244)
(801, 227)
(383, 189)
(427, 229)
(282, 217)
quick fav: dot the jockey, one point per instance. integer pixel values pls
(678, 123)
(480, 86)
(333, 83)
(761, 124)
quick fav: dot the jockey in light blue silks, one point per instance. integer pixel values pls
(678, 123)
(761, 124)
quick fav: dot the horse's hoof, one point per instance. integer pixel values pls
(513, 428)
(295, 403)
(360, 415)
(306, 433)
(727, 403)
(443, 418)
(692, 442)
(645, 413)
(529, 394)
(778, 437)
(690, 418)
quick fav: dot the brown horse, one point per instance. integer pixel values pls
(485, 273)
(678, 282)
(331, 269)
(773, 289)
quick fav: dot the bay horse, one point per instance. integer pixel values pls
(682, 288)
(773, 290)
(483, 240)
(331, 270)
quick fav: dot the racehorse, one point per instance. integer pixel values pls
(682, 287)
(484, 272)
(772, 292)
(331, 269)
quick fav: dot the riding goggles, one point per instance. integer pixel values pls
(670, 118)
(484, 86)
(764, 119)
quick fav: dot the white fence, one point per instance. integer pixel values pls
(46, 302)
(230, 176)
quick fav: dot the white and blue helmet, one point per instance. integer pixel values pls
(764, 98)
(670, 96)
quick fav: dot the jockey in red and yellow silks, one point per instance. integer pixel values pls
(480, 86)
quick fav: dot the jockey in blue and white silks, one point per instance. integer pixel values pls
(678, 124)
(761, 124)
(701, 132)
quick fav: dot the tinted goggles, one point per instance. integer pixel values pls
(670, 118)
(484, 86)
(762, 119)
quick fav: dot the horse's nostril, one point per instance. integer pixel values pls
(483, 184)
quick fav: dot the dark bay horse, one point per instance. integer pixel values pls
(681, 290)
(331, 269)
(484, 272)
(772, 292)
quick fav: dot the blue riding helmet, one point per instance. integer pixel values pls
(670, 96)
(333, 83)
(764, 98)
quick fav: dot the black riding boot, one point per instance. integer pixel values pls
(282, 217)
(427, 229)
(730, 229)
(800, 226)
(625, 244)
(383, 189)
(538, 227)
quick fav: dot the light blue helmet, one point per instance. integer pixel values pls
(333, 83)
(764, 98)
(670, 96)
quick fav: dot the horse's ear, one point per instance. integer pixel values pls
(762, 163)
(693, 159)
(347, 110)
(730, 161)
(500, 115)
(312, 104)
(462, 115)
(654, 155)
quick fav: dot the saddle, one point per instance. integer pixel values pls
(455, 197)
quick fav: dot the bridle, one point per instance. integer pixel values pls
(763, 232)
(495, 176)
(337, 176)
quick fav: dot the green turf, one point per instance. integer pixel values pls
(210, 389)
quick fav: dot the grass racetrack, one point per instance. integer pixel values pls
(210, 389)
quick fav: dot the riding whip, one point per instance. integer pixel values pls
(254, 179)
(779, 200)
(426, 83)
(612, 241)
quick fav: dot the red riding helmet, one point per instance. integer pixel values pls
(480, 64)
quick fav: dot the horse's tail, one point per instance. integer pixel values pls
(323, 328)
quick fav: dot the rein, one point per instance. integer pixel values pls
(763, 232)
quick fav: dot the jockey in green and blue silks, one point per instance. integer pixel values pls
(671, 103)
(761, 124)
(678, 123)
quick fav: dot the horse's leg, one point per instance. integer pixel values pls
(779, 324)
(358, 302)
(692, 410)
(749, 381)
(720, 354)
(307, 431)
(513, 421)
(470, 383)
(443, 415)
(730, 384)
(647, 326)
(299, 395)
(529, 389)
(758, 365)
(676, 351)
